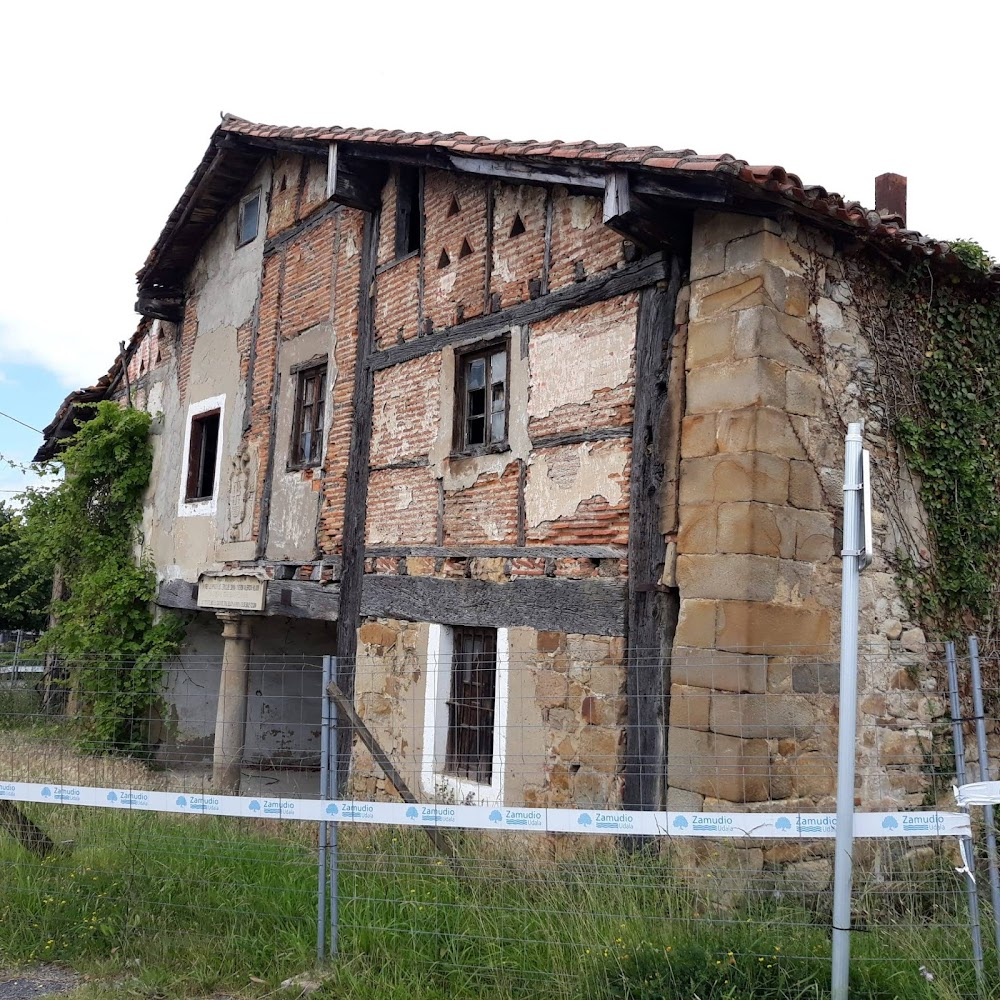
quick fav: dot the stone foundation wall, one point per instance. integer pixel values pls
(565, 714)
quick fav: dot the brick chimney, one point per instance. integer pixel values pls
(890, 198)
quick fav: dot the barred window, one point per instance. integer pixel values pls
(471, 705)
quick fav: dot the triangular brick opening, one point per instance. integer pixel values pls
(454, 208)
(518, 227)
(444, 260)
(465, 251)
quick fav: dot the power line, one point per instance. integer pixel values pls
(21, 422)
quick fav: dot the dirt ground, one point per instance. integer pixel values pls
(37, 981)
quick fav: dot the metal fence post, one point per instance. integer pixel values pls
(847, 729)
(18, 636)
(970, 873)
(324, 787)
(334, 859)
(984, 775)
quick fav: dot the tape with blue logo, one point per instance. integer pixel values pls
(769, 826)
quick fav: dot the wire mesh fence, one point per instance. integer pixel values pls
(500, 853)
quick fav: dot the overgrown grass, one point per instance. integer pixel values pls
(175, 906)
(157, 905)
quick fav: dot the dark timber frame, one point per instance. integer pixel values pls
(356, 493)
(652, 608)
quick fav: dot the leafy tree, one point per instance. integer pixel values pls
(106, 630)
(25, 580)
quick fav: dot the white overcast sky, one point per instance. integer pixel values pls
(107, 109)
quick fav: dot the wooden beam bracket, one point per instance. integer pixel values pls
(357, 184)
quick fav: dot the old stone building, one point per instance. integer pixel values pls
(573, 413)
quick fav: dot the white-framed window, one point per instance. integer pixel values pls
(202, 457)
(465, 714)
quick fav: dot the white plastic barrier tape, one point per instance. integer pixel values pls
(979, 793)
(783, 826)
(24, 668)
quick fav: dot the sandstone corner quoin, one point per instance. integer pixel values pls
(582, 405)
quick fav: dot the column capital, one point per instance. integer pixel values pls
(234, 624)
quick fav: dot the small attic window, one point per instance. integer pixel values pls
(408, 210)
(249, 221)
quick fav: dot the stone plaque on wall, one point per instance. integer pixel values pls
(234, 593)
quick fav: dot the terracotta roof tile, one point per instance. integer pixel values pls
(770, 180)
(661, 162)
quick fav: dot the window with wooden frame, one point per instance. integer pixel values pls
(307, 419)
(472, 705)
(481, 379)
(408, 212)
(203, 451)
(248, 222)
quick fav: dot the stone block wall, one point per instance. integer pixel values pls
(565, 698)
(777, 363)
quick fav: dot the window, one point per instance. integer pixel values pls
(469, 749)
(203, 450)
(465, 714)
(249, 220)
(481, 382)
(202, 456)
(307, 422)
(407, 212)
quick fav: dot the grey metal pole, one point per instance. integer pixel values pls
(971, 888)
(847, 729)
(334, 889)
(324, 788)
(984, 775)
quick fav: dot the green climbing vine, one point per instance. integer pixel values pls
(950, 429)
(105, 630)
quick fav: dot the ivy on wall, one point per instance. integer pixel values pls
(105, 630)
(951, 433)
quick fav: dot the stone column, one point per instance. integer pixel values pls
(230, 719)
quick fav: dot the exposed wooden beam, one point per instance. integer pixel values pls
(596, 607)
(353, 183)
(617, 195)
(570, 175)
(160, 304)
(285, 598)
(501, 551)
(652, 609)
(439, 838)
(239, 140)
(356, 489)
(314, 218)
(647, 271)
(646, 221)
(30, 837)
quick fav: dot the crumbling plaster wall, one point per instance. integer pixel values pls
(221, 294)
(777, 363)
(283, 692)
(295, 493)
(574, 493)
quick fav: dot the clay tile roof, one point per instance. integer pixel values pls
(750, 181)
